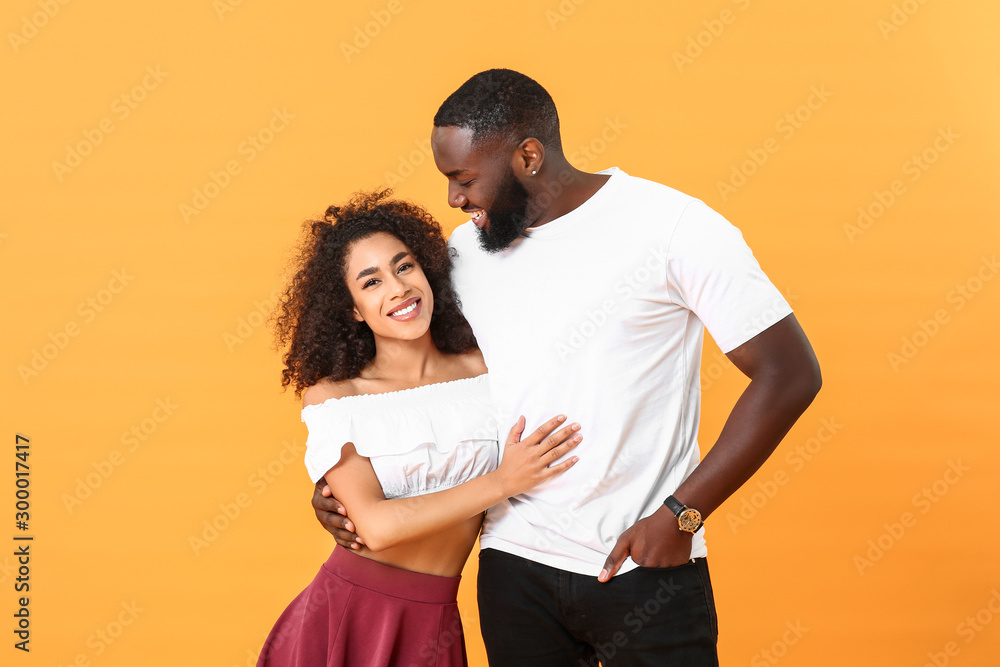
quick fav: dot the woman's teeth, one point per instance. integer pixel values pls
(405, 311)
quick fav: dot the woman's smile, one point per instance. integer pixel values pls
(408, 310)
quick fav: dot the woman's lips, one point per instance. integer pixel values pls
(416, 304)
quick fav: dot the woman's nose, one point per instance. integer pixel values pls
(396, 285)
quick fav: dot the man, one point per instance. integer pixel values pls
(589, 295)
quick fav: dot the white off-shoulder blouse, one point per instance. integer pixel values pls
(418, 440)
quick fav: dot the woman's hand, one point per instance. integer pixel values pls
(529, 462)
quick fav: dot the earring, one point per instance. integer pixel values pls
(533, 172)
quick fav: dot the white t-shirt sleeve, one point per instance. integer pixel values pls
(712, 272)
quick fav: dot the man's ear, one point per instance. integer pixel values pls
(528, 157)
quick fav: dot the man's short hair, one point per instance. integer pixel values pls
(501, 104)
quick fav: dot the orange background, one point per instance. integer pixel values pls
(835, 538)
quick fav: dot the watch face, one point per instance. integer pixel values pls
(689, 520)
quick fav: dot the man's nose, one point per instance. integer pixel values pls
(456, 199)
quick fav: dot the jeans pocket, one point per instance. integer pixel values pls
(685, 564)
(701, 565)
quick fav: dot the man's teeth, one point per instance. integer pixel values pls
(408, 309)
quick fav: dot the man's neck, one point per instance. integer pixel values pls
(564, 188)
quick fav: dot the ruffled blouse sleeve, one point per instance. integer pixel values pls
(445, 416)
(330, 429)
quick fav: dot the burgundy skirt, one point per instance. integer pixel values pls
(361, 613)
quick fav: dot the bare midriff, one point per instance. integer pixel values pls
(443, 553)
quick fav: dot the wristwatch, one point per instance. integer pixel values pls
(688, 518)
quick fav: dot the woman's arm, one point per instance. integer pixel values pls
(385, 523)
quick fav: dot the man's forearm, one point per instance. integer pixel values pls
(785, 378)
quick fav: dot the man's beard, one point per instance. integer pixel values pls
(507, 215)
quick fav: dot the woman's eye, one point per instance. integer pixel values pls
(369, 283)
(403, 267)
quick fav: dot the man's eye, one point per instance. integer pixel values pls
(467, 183)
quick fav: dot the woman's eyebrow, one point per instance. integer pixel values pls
(374, 269)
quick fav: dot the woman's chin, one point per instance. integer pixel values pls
(405, 331)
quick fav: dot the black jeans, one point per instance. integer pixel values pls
(535, 615)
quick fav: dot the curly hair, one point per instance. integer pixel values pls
(314, 313)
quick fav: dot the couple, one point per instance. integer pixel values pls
(587, 296)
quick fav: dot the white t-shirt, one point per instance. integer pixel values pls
(600, 315)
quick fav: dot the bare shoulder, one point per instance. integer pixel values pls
(324, 390)
(473, 362)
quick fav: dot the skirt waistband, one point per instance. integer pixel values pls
(391, 580)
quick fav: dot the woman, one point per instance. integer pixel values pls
(397, 405)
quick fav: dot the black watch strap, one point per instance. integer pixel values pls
(674, 505)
